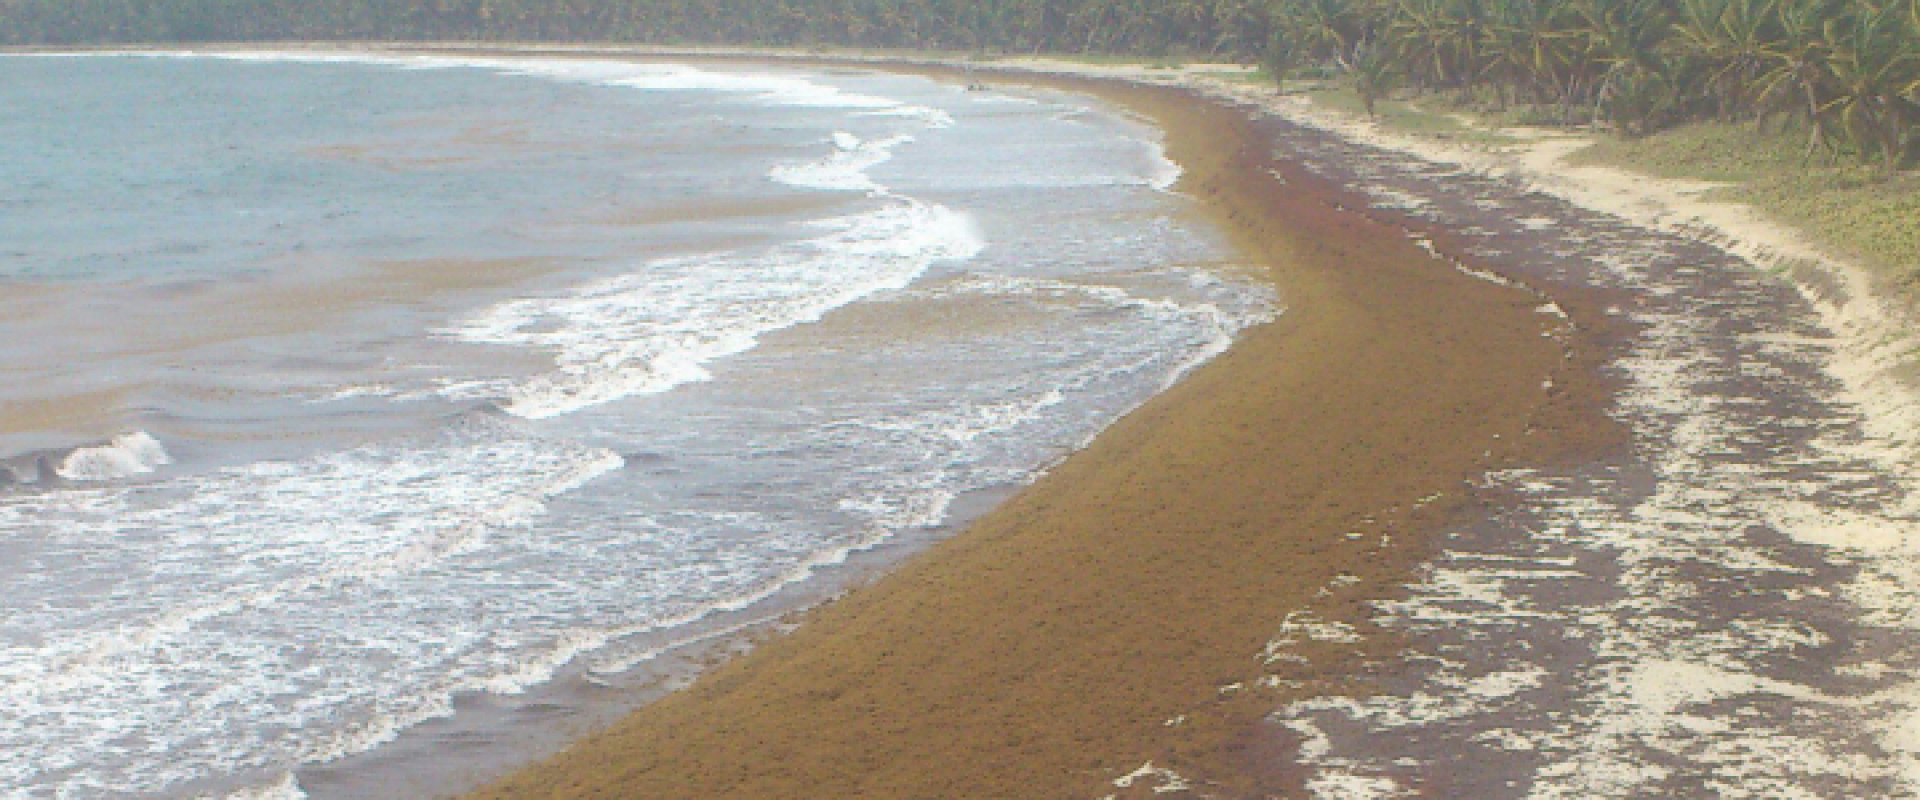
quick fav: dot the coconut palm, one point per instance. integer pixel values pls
(1625, 37)
(1795, 76)
(1373, 73)
(1279, 59)
(1324, 29)
(1539, 46)
(1436, 42)
(1731, 38)
(1875, 67)
(1913, 41)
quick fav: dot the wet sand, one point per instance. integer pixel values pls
(1119, 618)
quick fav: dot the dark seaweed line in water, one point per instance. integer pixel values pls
(1646, 624)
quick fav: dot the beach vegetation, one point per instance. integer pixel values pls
(1846, 206)
(1278, 60)
(1372, 74)
(1846, 73)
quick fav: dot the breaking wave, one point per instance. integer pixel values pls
(136, 453)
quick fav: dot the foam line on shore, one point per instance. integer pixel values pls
(637, 334)
(354, 520)
(1205, 512)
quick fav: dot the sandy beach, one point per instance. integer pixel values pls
(1112, 628)
(1548, 480)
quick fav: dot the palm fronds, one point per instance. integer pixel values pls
(1848, 70)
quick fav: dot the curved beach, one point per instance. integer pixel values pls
(1548, 480)
(1118, 618)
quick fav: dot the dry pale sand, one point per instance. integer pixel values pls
(1111, 620)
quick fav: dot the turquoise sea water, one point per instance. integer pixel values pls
(340, 388)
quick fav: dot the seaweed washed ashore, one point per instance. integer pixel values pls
(1113, 628)
(1539, 488)
(1685, 574)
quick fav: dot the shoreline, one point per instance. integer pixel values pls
(1875, 326)
(1225, 741)
(468, 743)
(1879, 362)
(1878, 356)
(1110, 620)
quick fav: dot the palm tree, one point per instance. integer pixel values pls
(1279, 59)
(1323, 29)
(1625, 37)
(1913, 41)
(1875, 66)
(1539, 46)
(1373, 73)
(1436, 42)
(1731, 38)
(1795, 75)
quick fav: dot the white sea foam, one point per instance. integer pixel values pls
(131, 454)
(845, 169)
(616, 660)
(783, 90)
(164, 589)
(354, 392)
(231, 624)
(294, 503)
(1165, 172)
(763, 87)
(659, 327)
(925, 510)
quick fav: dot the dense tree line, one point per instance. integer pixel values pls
(1202, 28)
(1847, 70)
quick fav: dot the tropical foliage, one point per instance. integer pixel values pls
(1847, 71)
(1198, 28)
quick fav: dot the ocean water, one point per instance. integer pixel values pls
(334, 389)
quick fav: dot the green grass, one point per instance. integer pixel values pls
(1708, 151)
(1256, 77)
(1113, 60)
(1844, 205)
(1430, 116)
